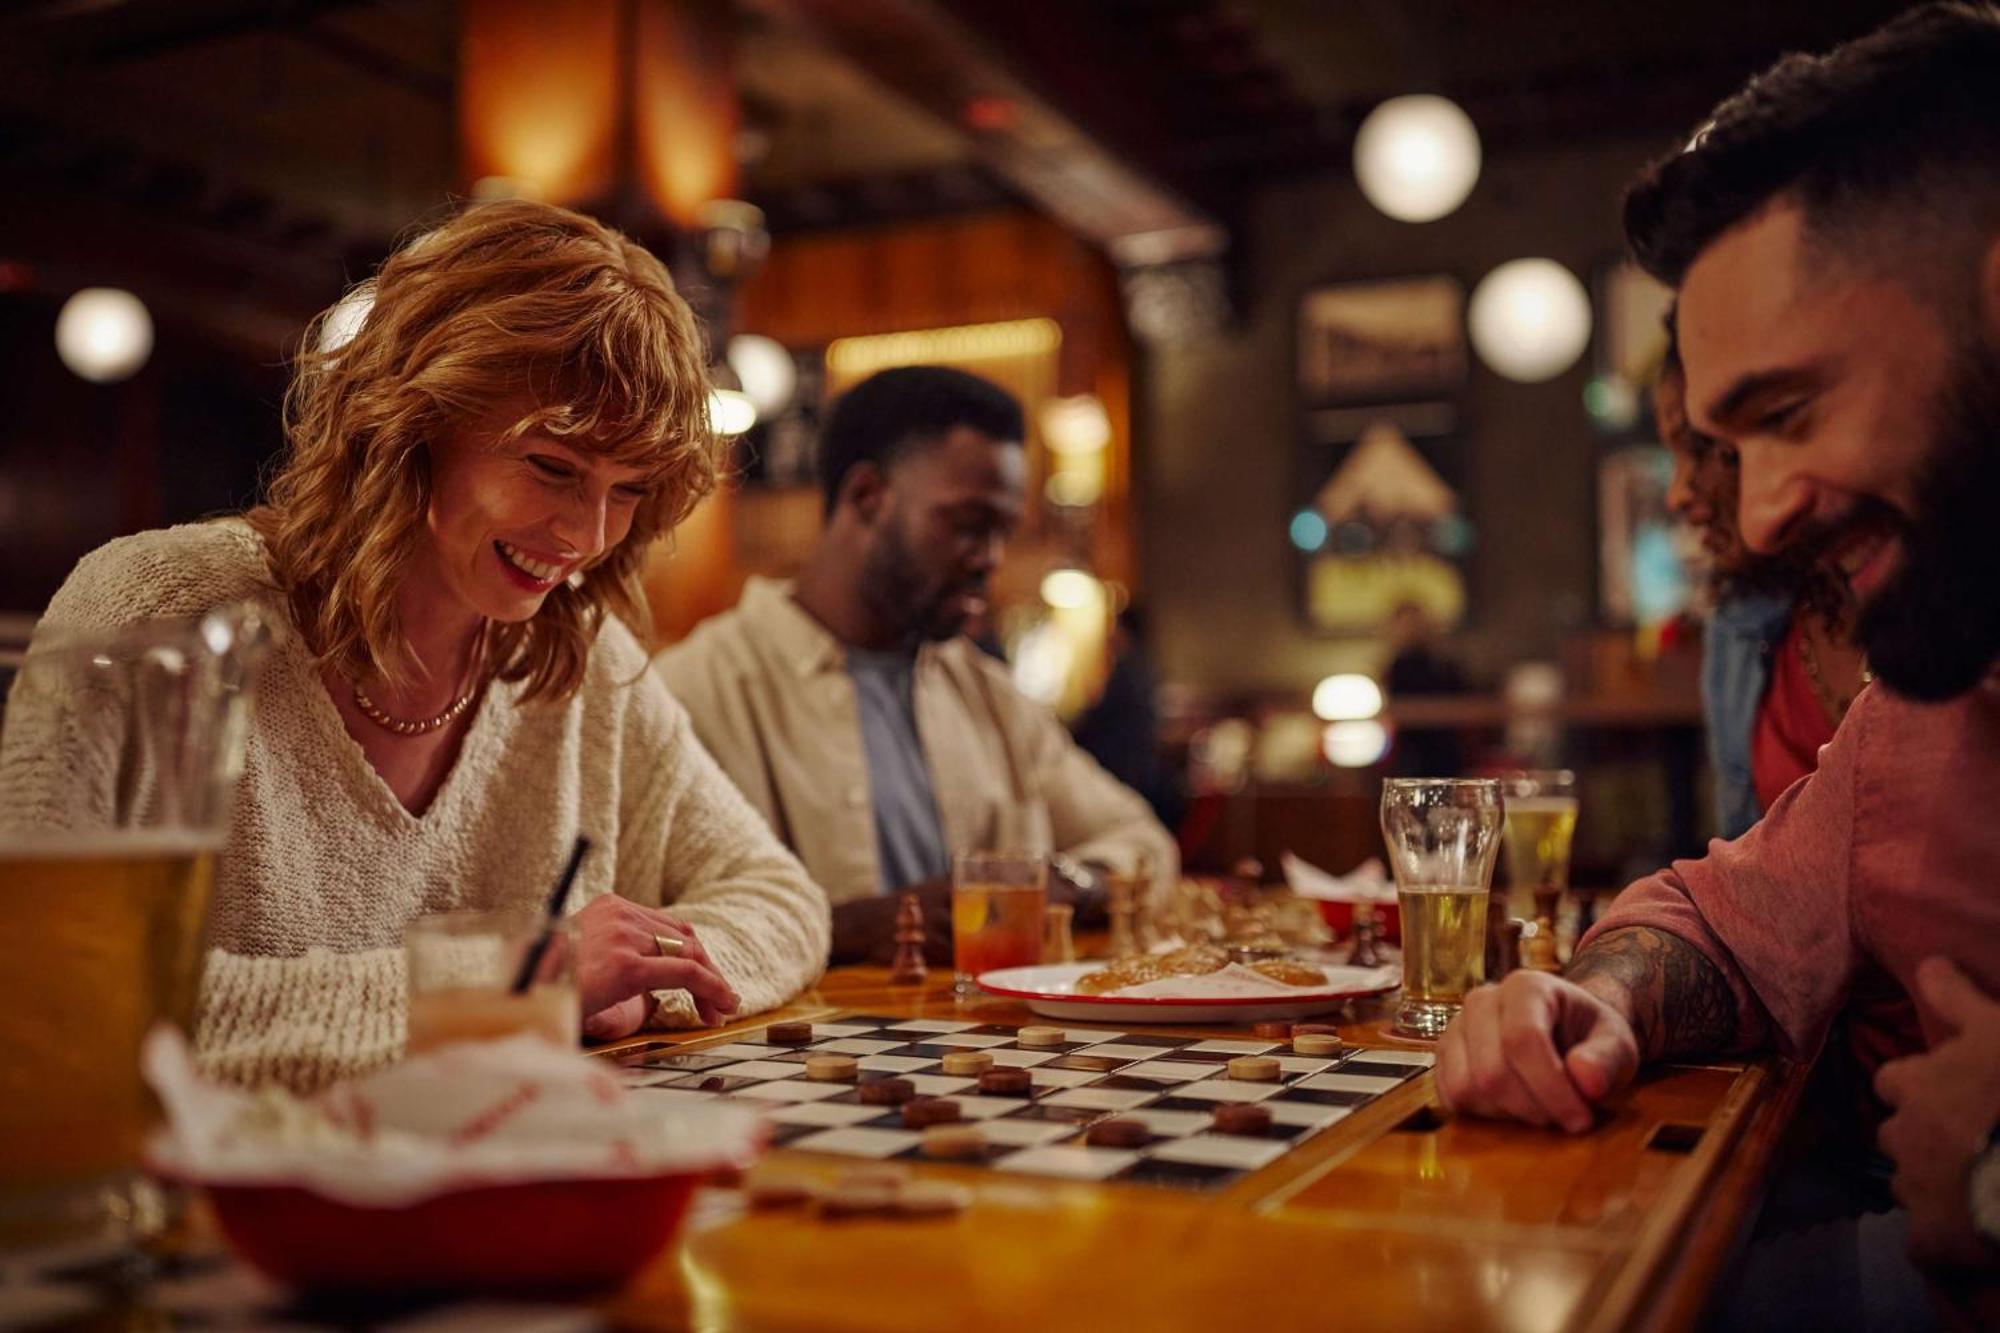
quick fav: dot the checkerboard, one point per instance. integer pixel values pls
(1172, 1084)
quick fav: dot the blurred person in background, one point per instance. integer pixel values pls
(1121, 728)
(449, 553)
(853, 711)
(1780, 664)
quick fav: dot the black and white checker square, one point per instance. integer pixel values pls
(1172, 1085)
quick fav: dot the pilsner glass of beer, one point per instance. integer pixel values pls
(118, 757)
(1541, 821)
(1443, 835)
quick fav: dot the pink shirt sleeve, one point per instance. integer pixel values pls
(1771, 909)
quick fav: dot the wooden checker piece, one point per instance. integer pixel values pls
(1316, 1043)
(932, 1198)
(789, 1034)
(1036, 1036)
(953, 1141)
(967, 1064)
(1275, 1031)
(1245, 1118)
(831, 1068)
(886, 1091)
(1324, 1029)
(923, 1112)
(1255, 1069)
(1117, 1133)
(1007, 1081)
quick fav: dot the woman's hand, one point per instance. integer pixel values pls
(620, 964)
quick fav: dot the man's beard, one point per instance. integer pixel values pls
(1933, 629)
(903, 596)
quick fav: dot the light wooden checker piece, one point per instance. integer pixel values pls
(1179, 1087)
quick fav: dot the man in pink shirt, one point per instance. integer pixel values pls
(1834, 236)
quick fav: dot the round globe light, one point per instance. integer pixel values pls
(104, 334)
(1070, 589)
(730, 412)
(1529, 319)
(346, 318)
(1416, 157)
(1355, 744)
(766, 370)
(1349, 697)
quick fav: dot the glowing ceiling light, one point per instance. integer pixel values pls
(1077, 425)
(1416, 158)
(767, 371)
(1529, 319)
(104, 334)
(1071, 589)
(730, 412)
(1349, 697)
(1355, 744)
(854, 358)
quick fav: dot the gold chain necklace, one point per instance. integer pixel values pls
(426, 725)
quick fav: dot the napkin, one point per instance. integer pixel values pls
(1366, 883)
(480, 1113)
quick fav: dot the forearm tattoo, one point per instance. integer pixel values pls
(1680, 1002)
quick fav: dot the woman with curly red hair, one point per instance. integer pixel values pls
(458, 689)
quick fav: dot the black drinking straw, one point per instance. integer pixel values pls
(531, 962)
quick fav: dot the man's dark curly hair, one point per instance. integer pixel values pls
(1887, 143)
(893, 411)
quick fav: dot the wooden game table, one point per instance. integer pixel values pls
(1395, 1217)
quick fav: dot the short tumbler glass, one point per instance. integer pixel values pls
(996, 912)
(462, 970)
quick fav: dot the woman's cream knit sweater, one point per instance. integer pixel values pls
(323, 867)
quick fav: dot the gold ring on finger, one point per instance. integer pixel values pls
(669, 946)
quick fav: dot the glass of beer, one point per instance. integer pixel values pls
(463, 967)
(118, 758)
(1541, 821)
(996, 912)
(1443, 835)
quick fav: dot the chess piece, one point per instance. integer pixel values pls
(1366, 951)
(1145, 930)
(1538, 947)
(1121, 906)
(908, 967)
(1058, 945)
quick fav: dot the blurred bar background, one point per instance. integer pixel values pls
(1336, 492)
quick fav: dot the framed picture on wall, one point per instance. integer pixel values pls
(1631, 344)
(1399, 338)
(1381, 522)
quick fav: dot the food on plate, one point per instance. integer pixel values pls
(1196, 960)
(1193, 961)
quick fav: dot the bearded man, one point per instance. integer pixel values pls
(1834, 235)
(852, 710)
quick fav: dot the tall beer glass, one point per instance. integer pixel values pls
(118, 757)
(1443, 835)
(1541, 821)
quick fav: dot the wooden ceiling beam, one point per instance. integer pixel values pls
(919, 50)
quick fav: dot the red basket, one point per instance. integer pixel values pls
(540, 1235)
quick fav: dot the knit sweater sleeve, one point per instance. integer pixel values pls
(706, 852)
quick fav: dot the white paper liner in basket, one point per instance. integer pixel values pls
(482, 1113)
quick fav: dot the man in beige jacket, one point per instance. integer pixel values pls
(852, 711)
